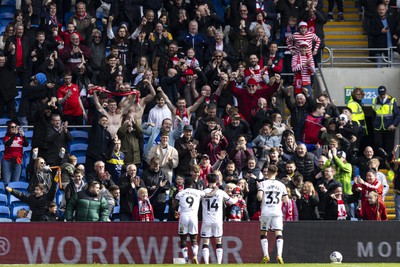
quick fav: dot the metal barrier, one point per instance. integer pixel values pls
(354, 56)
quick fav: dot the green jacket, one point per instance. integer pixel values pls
(87, 207)
(343, 175)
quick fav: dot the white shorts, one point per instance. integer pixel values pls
(188, 225)
(211, 230)
(271, 223)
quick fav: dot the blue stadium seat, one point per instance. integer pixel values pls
(3, 121)
(2, 29)
(67, 16)
(8, 3)
(81, 160)
(78, 150)
(22, 220)
(5, 220)
(15, 202)
(2, 188)
(14, 211)
(20, 186)
(7, 15)
(3, 200)
(4, 212)
(29, 134)
(79, 137)
(7, 9)
(1, 151)
(5, 21)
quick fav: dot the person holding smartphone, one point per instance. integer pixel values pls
(11, 164)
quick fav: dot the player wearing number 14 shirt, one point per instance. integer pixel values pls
(213, 208)
(271, 193)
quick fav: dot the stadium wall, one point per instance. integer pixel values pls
(23, 243)
(338, 78)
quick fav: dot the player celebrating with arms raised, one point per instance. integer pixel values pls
(213, 208)
(189, 202)
(271, 193)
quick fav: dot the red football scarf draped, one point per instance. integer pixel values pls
(298, 80)
(101, 89)
(81, 17)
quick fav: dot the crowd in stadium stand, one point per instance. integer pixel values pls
(175, 89)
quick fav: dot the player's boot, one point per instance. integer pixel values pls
(195, 260)
(279, 260)
(265, 259)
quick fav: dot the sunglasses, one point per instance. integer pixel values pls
(13, 127)
(42, 162)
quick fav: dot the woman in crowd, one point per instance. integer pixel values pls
(14, 141)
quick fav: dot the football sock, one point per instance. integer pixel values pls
(264, 245)
(185, 253)
(279, 246)
(219, 252)
(195, 249)
(206, 255)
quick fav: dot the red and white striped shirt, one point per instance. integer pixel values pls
(293, 41)
(299, 65)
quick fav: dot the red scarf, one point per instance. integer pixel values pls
(311, 25)
(146, 213)
(81, 17)
(298, 80)
(101, 89)
(342, 214)
(289, 210)
(19, 54)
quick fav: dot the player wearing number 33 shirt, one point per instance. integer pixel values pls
(213, 208)
(271, 193)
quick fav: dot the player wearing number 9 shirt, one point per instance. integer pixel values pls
(271, 193)
(189, 202)
(213, 208)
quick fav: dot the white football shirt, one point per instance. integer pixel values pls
(213, 207)
(271, 204)
(189, 201)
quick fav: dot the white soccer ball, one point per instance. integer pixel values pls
(336, 257)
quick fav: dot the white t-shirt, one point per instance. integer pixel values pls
(213, 207)
(189, 201)
(271, 204)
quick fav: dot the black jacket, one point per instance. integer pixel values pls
(127, 194)
(38, 205)
(305, 165)
(308, 208)
(99, 142)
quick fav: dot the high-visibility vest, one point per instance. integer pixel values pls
(383, 111)
(357, 113)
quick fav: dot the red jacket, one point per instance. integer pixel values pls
(366, 188)
(246, 101)
(373, 213)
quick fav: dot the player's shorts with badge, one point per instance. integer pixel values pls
(271, 223)
(188, 225)
(211, 230)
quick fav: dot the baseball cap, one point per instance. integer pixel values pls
(303, 24)
(252, 81)
(188, 128)
(205, 156)
(303, 43)
(188, 72)
(381, 90)
(341, 154)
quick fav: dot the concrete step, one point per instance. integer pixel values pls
(343, 24)
(346, 37)
(390, 210)
(341, 43)
(348, 31)
(389, 198)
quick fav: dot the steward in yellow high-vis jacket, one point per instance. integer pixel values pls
(386, 119)
(357, 111)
